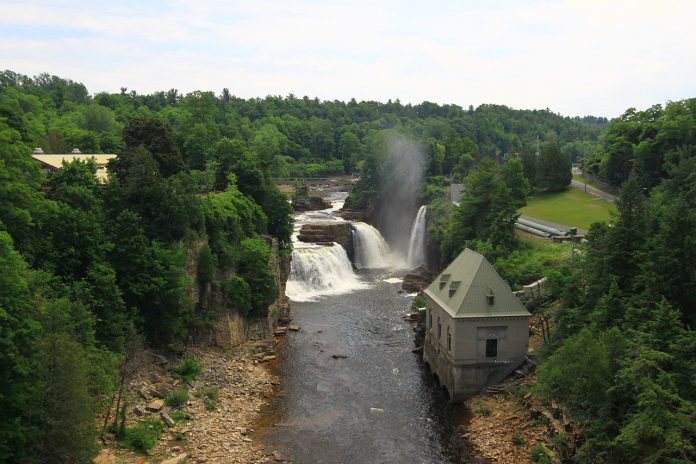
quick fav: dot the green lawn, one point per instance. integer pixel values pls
(571, 207)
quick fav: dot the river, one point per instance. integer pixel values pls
(353, 392)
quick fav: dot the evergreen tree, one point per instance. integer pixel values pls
(552, 169)
(157, 138)
(486, 213)
(68, 425)
(20, 333)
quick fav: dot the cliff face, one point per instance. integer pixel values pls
(214, 322)
(325, 233)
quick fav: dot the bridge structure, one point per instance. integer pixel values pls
(329, 182)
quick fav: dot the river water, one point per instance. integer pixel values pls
(353, 392)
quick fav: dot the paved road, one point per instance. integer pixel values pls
(598, 193)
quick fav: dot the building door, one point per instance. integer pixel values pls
(490, 343)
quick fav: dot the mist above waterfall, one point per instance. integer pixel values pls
(402, 175)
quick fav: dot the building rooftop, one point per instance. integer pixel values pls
(470, 287)
(56, 161)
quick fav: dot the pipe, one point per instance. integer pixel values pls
(532, 230)
(535, 225)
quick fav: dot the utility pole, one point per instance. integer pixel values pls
(537, 150)
(584, 170)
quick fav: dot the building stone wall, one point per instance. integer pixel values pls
(462, 366)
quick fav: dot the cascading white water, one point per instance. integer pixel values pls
(318, 270)
(371, 251)
(416, 245)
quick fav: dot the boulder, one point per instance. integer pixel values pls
(417, 280)
(307, 203)
(167, 420)
(179, 459)
(160, 390)
(159, 359)
(145, 393)
(155, 405)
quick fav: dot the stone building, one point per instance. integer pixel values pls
(476, 328)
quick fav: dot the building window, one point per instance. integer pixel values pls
(430, 319)
(439, 329)
(492, 348)
(449, 339)
(490, 298)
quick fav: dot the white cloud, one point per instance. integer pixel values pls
(572, 56)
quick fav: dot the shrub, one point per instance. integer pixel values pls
(143, 436)
(179, 416)
(210, 396)
(209, 404)
(418, 302)
(485, 411)
(540, 454)
(209, 393)
(188, 370)
(517, 439)
(177, 398)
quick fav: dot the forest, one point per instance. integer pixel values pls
(621, 358)
(91, 269)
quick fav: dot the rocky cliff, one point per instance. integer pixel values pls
(325, 233)
(307, 203)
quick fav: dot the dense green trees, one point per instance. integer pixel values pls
(652, 142)
(485, 217)
(19, 334)
(621, 361)
(86, 267)
(552, 171)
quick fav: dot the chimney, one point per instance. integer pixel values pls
(38, 151)
(76, 151)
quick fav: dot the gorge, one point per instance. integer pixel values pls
(349, 373)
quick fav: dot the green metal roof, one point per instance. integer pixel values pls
(465, 287)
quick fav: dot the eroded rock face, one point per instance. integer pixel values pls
(417, 280)
(325, 233)
(307, 203)
(350, 215)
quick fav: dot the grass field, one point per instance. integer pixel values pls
(571, 207)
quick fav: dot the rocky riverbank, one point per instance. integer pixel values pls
(501, 428)
(216, 423)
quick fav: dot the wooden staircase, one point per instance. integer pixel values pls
(504, 372)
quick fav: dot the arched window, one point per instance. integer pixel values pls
(449, 339)
(439, 329)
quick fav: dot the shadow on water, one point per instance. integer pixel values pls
(353, 392)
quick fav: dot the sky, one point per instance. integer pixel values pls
(574, 57)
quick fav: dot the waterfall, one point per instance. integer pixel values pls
(371, 251)
(318, 270)
(416, 245)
